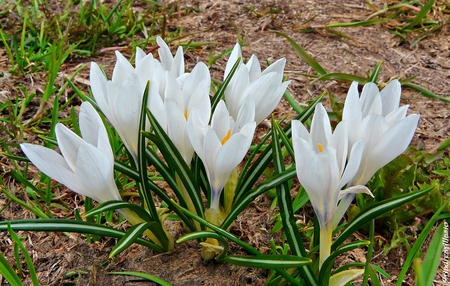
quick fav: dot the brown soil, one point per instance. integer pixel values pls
(70, 260)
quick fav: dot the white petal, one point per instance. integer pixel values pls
(165, 55)
(122, 69)
(221, 120)
(370, 99)
(235, 54)
(237, 90)
(391, 144)
(68, 143)
(178, 63)
(246, 114)
(254, 68)
(390, 96)
(53, 165)
(300, 131)
(320, 127)
(359, 189)
(95, 172)
(278, 68)
(339, 140)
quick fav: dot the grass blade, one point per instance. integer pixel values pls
(277, 261)
(143, 275)
(8, 272)
(374, 211)
(26, 255)
(418, 244)
(67, 225)
(307, 58)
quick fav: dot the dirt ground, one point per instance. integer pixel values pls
(69, 260)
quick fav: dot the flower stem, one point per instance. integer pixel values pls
(230, 190)
(187, 199)
(326, 235)
(135, 219)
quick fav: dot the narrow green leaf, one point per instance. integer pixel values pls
(376, 72)
(269, 184)
(26, 255)
(421, 15)
(307, 58)
(234, 239)
(327, 266)
(284, 201)
(130, 237)
(219, 94)
(144, 190)
(424, 91)
(175, 161)
(342, 77)
(115, 205)
(205, 235)
(66, 225)
(374, 211)
(444, 144)
(143, 275)
(278, 261)
(434, 253)
(8, 272)
(356, 24)
(419, 242)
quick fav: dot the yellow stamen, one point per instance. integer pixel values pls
(225, 139)
(186, 113)
(320, 147)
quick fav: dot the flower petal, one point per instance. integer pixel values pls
(53, 165)
(95, 172)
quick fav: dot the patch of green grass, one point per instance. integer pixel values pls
(36, 35)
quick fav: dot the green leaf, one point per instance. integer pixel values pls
(130, 237)
(115, 205)
(284, 201)
(234, 239)
(342, 77)
(307, 58)
(374, 211)
(219, 94)
(424, 91)
(434, 253)
(278, 261)
(176, 162)
(327, 266)
(421, 15)
(144, 190)
(67, 225)
(8, 272)
(26, 255)
(143, 275)
(374, 75)
(204, 235)
(419, 242)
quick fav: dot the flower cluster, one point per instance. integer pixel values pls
(332, 165)
(327, 161)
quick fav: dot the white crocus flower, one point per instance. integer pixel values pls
(266, 88)
(86, 165)
(172, 102)
(173, 64)
(323, 169)
(120, 98)
(377, 118)
(221, 146)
